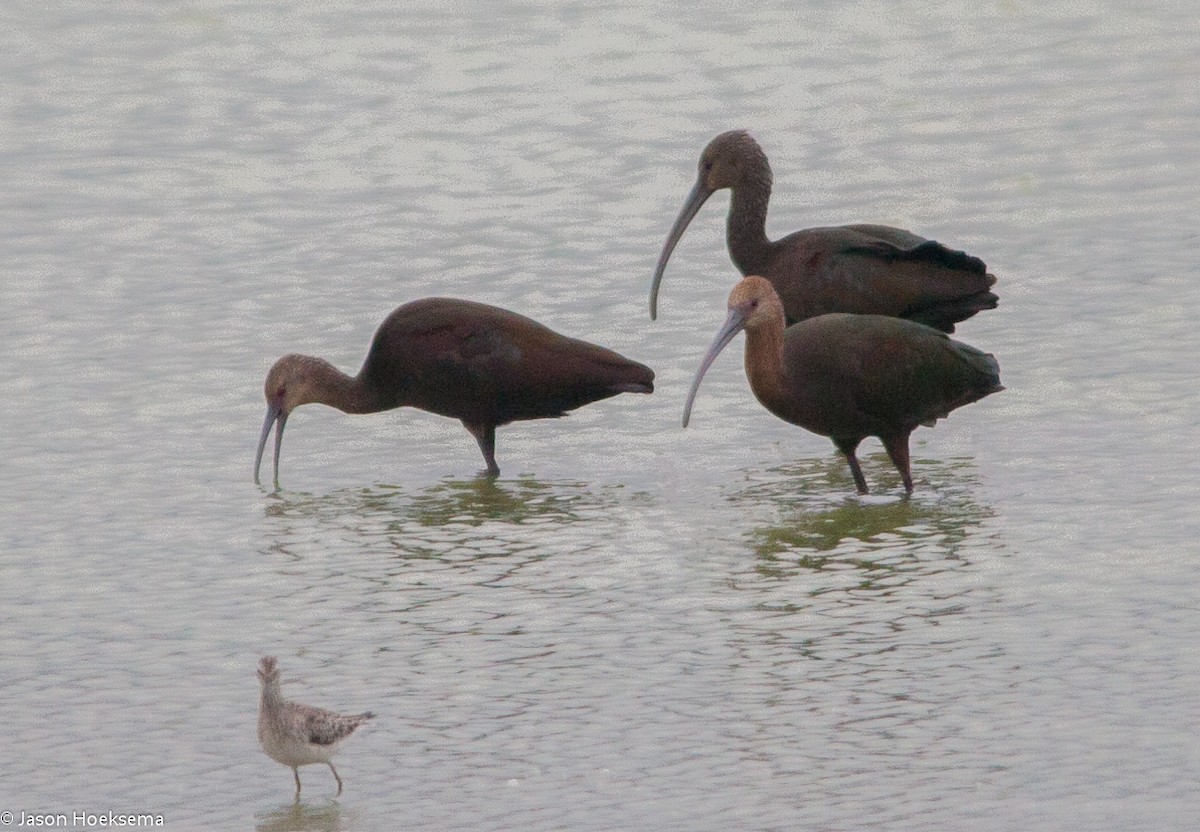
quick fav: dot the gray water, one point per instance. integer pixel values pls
(637, 626)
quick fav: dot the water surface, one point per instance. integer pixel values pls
(636, 627)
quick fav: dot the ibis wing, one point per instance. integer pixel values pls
(869, 269)
(538, 373)
(916, 375)
(930, 253)
(488, 365)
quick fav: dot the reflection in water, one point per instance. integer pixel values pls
(305, 817)
(526, 500)
(854, 584)
(819, 520)
(878, 535)
(471, 501)
(414, 561)
(453, 520)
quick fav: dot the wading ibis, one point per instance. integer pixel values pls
(865, 269)
(850, 376)
(480, 364)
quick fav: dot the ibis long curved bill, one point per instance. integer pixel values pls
(699, 194)
(276, 417)
(735, 322)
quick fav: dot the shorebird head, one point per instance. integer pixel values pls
(268, 671)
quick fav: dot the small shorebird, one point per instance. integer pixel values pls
(299, 735)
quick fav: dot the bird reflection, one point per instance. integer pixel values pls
(326, 816)
(478, 500)
(452, 520)
(471, 501)
(847, 581)
(815, 530)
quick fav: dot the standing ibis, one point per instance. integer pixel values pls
(850, 376)
(865, 269)
(482, 365)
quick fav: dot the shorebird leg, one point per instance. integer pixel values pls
(338, 779)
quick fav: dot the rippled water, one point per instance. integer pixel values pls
(636, 627)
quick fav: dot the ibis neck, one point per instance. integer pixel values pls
(764, 365)
(746, 229)
(349, 394)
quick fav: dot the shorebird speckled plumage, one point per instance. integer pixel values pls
(299, 735)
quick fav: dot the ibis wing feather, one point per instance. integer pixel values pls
(912, 374)
(869, 269)
(558, 373)
(930, 252)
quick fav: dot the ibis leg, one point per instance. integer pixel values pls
(847, 447)
(897, 448)
(485, 435)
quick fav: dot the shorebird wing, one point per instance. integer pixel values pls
(325, 728)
